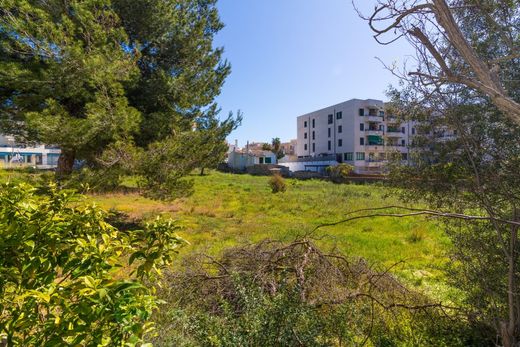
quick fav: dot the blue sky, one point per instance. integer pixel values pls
(291, 57)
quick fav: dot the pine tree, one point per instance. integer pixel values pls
(111, 82)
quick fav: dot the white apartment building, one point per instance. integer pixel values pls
(357, 132)
(13, 154)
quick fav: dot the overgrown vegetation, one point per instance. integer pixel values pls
(69, 278)
(464, 97)
(276, 294)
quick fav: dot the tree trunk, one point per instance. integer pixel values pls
(65, 163)
(508, 330)
(202, 171)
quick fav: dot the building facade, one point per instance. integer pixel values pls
(357, 132)
(13, 154)
(242, 159)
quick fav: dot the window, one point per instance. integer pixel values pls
(381, 127)
(268, 160)
(313, 123)
(413, 131)
(403, 130)
(403, 143)
(329, 146)
(305, 147)
(330, 119)
(329, 132)
(304, 135)
(261, 160)
(313, 135)
(361, 112)
(313, 147)
(339, 115)
(381, 113)
(340, 142)
(362, 141)
(349, 156)
(360, 156)
(404, 156)
(340, 129)
(361, 126)
(305, 124)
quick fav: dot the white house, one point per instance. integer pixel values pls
(241, 159)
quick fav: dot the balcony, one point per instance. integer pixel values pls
(373, 118)
(394, 133)
(374, 132)
(375, 163)
(396, 147)
(374, 148)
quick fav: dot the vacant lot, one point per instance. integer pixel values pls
(229, 209)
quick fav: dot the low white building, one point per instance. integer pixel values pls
(241, 159)
(13, 154)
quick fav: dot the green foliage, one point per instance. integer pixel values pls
(115, 82)
(275, 147)
(64, 271)
(64, 73)
(340, 172)
(277, 184)
(473, 172)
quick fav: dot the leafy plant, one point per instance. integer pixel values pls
(70, 278)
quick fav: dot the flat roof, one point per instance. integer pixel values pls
(341, 103)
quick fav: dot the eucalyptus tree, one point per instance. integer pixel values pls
(464, 82)
(473, 43)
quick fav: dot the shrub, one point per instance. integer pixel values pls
(277, 184)
(70, 278)
(339, 173)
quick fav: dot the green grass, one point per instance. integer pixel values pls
(228, 209)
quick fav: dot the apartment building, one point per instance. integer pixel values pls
(357, 132)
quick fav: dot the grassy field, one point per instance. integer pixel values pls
(229, 209)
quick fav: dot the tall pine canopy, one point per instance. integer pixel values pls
(123, 86)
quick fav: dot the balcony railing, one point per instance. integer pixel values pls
(372, 147)
(373, 118)
(375, 162)
(374, 131)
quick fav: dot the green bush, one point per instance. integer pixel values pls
(339, 173)
(277, 184)
(69, 278)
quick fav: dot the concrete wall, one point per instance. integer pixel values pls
(317, 166)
